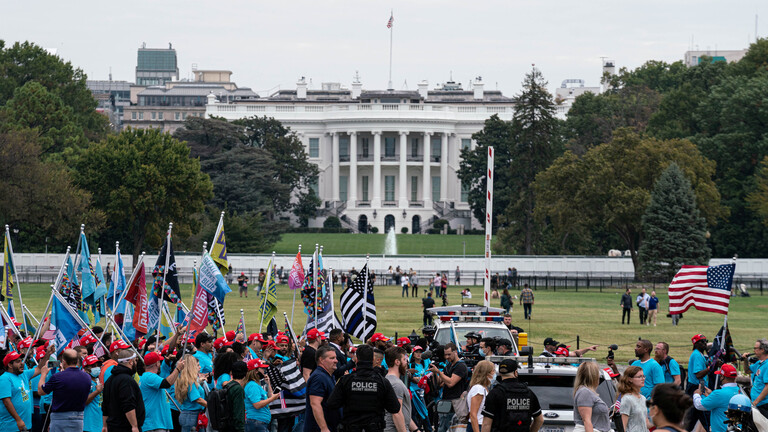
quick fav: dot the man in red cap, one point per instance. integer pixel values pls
(115, 349)
(308, 363)
(255, 341)
(93, 421)
(153, 390)
(697, 375)
(242, 284)
(70, 389)
(716, 402)
(282, 344)
(15, 392)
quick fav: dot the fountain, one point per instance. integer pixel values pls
(390, 244)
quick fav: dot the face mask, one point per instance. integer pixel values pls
(482, 353)
(95, 372)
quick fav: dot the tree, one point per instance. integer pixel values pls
(610, 186)
(758, 198)
(306, 206)
(674, 232)
(247, 232)
(25, 62)
(39, 198)
(142, 180)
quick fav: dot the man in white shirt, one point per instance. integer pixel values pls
(642, 303)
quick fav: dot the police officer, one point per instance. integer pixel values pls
(364, 395)
(511, 406)
(429, 334)
(473, 339)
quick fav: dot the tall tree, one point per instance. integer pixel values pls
(758, 198)
(610, 186)
(143, 179)
(674, 231)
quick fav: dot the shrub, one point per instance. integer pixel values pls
(332, 222)
(438, 224)
(374, 230)
(404, 230)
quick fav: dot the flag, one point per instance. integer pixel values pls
(215, 311)
(99, 309)
(129, 330)
(166, 282)
(358, 308)
(326, 316)
(705, 288)
(137, 296)
(219, 248)
(199, 313)
(117, 285)
(293, 380)
(296, 276)
(165, 325)
(8, 271)
(722, 348)
(391, 21)
(66, 325)
(268, 306)
(240, 328)
(87, 275)
(212, 280)
(70, 290)
(308, 290)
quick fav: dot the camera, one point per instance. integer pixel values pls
(611, 349)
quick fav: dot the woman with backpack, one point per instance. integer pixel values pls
(257, 400)
(190, 395)
(478, 390)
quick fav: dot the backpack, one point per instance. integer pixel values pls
(219, 411)
(461, 409)
(683, 374)
(515, 420)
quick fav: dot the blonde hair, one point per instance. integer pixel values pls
(588, 375)
(481, 372)
(187, 377)
(625, 382)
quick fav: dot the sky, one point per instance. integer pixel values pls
(269, 45)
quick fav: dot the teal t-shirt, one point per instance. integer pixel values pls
(222, 379)
(205, 360)
(195, 392)
(17, 388)
(108, 372)
(253, 353)
(256, 393)
(717, 404)
(671, 371)
(47, 398)
(696, 364)
(165, 371)
(158, 410)
(92, 420)
(654, 374)
(759, 378)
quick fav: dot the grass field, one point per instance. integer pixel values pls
(361, 244)
(593, 316)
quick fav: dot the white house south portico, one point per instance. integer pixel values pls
(387, 159)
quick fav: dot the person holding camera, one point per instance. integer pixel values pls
(454, 381)
(716, 402)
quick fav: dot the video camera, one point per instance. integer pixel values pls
(611, 349)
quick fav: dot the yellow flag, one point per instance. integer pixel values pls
(219, 249)
(8, 275)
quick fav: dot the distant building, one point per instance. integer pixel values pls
(693, 58)
(156, 66)
(112, 97)
(570, 89)
(387, 158)
(166, 107)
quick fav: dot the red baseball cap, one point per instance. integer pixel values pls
(403, 341)
(40, 353)
(218, 343)
(11, 356)
(353, 350)
(89, 360)
(562, 352)
(191, 341)
(379, 337)
(118, 344)
(315, 333)
(697, 338)
(271, 345)
(164, 350)
(418, 348)
(256, 363)
(611, 372)
(26, 342)
(151, 358)
(230, 335)
(727, 370)
(282, 339)
(256, 336)
(87, 339)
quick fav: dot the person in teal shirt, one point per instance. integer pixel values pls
(418, 368)
(716, 402)
(760, 377)
(189, 394)
(153, 387)
(697, 364)
(257, 400)
(16, 393)
(222, 368)
(204, 353)
(653, 372)
(92, 416)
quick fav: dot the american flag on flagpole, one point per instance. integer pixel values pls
(391, 20)
(703, 287)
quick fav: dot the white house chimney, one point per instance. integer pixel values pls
(477, 86)
(423, 89)
(357, 87)
(211, 98)
(301, 89)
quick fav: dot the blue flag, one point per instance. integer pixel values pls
(66, 325)
(87, 276)
(211, 279)
(117, 285)
(128, 329)
(101, 290)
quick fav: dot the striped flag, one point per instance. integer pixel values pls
(391, 20)
(703, 287)
(326, 316)
(241, 328)
(293, 380)
(358, 310)
(268, 306)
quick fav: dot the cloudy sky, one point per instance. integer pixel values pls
(269, 44)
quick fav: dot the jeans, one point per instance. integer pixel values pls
(405, 291)
(643, 314)
(68, 421)
(527, 307)
(255, 426)
(188, 420)
(625, 312)
(445, 422)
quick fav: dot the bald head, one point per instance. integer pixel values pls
(70, 357)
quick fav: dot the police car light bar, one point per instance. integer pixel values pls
(465, 318)
(542, 360)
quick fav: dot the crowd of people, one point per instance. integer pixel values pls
(239, 383)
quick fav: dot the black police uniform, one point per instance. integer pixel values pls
(364, 395)
(512, 406)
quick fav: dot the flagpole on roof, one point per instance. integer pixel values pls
(18, 284)
(293, 304)
(391, 26)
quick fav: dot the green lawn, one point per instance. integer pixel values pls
(593, 316)
(361, 244)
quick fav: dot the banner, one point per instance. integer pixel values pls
(137, 296)
(296, 276)
(211, 279)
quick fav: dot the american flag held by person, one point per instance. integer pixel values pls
(703, 287)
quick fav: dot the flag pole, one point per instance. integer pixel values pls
(365, 296)
(391, 31)
(315, 272)
(293, 304)
(160, 301)
(317, 285)
(37, 323)
(488, 229)
(197, 285)
(18, 282)
(242, 318)
(114, 273)
(215, 300)
(293, 333)
(77, 318)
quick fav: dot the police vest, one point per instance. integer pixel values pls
(364, 407)
(517, 416)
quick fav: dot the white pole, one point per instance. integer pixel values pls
(488, 226)
(115, 275)
(160, 301)
(365, 297)
(293, 304)
(242, 318)
(391, 30)
(18, 284)
(316, 272)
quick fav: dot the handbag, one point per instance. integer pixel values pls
(444, 406)
(202, 421)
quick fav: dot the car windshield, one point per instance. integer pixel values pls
(443, 335)
(554, 392)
